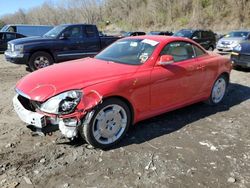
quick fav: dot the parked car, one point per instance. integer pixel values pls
(166, 33)
(240, 55)
(205, 38)
(133, 33)
(27, 30)
(62, 43)
(231, 40)
(5, 37)
(133, 79)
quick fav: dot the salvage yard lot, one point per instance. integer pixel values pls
(197, 146)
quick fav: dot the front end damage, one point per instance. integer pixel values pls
(42, 122)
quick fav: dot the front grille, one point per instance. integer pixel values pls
(27, 104)
(225, 43)
(245, 58)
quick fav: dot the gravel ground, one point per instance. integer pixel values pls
(197, 146)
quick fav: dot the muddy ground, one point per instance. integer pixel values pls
(197, 146)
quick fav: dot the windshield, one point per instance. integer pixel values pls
(53, 33)
(237, 34)
(129, 51)
(184, 33)
(4, 28)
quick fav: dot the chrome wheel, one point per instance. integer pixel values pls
(219, 90)
(109, 124)
(41, 62)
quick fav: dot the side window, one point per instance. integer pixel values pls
(204, 34)
(74, 32)
(12, 29)
(179, 50)
(197, 35)
(10, 36)
(1, 36)
(248, 36)
(198, 51)
(90, 31)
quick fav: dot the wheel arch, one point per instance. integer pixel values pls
(42, 50)
(127, 102)
(226, 74)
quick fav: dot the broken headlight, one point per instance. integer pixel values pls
(63, 103)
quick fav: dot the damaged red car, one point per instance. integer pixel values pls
(133, 79)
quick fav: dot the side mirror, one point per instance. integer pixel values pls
(64, 35)
(166, 60)
(194, 37)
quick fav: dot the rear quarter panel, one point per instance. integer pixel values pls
(217, 65)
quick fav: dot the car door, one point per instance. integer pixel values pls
(71, 46)
(178, 83)
(206, 68)
(91, 44)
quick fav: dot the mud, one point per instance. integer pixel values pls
(196, 146)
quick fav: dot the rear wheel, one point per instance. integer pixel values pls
(218, 91)
(40, 60)
(108, 125)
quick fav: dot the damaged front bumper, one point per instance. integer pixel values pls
(43, 123)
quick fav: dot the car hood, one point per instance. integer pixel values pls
(27, 40)
(227, 39)
(50, 81)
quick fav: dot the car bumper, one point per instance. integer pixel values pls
(224, 48)
(16, 58)
(242, 60)
(44, 123)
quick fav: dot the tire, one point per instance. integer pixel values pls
(210, 48)
(218, 90)
(40, 60)
(108, 125)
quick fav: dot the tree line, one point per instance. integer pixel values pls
(139, 14)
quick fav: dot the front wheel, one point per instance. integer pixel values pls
(218, 91)
(40, 60)
(210, 48)
(108, 125)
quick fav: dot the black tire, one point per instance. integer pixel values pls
(87, 130)
(210, 48)
(40, 60)
(212, 100)
(236, 67)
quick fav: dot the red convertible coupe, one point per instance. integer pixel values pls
(133, 79)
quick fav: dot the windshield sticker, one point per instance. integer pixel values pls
(133, 44)
(151, 42)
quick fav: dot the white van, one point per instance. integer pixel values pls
(27, 30)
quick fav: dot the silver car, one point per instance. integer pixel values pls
(231, 40)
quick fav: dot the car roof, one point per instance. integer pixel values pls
(80, 24)
(161, 38)
(27, 25)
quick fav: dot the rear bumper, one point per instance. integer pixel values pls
(16, 58)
